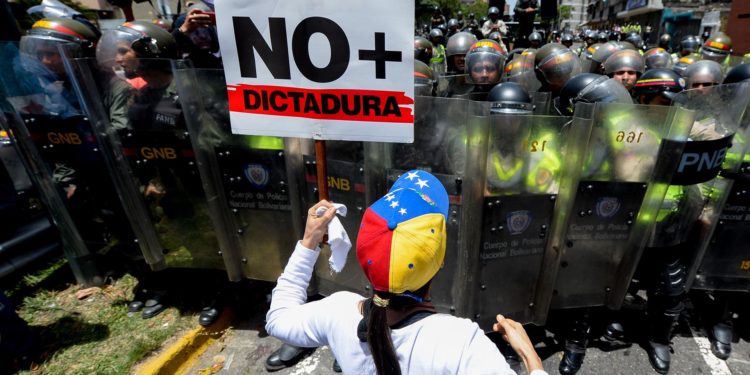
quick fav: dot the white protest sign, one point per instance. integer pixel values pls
(319, 69)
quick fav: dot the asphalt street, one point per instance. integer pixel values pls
(244, 348)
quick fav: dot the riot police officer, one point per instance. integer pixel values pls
(455, 51)
(689, 44)
(437, 62)
(510, 98)
(554, 64)
(624, 66)
(704, 73)
(437, 17)
(422, 50)
(601, 55)
(657, 58)
(424, 79)
(717, 48)
(661, 265)
(494, 23)
(602, 37)
(484, 64)
(535, 40)
(453, 27)
(665, 42)
(635, 38)
(567, 40)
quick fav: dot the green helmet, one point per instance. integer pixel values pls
(146, 39)
(59, 31)
(484, 63)
(424, 79)
(717, 47)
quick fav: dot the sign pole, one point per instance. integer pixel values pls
(321, 169)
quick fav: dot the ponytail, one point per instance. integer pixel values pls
(379, 338)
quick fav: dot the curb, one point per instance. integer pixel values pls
(181, 355)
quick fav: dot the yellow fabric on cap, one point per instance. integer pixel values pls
(417, 252)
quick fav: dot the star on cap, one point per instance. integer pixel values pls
(422, 183)
(412, 175)
(402, 211)
(389, 197)
(394, 204)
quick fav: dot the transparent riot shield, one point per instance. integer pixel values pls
(449, 142)
(346, 185)
(530, 160)
(521, 70)
(60, 149)
(452, 86)
(625, 172)
(253, 182)
(150, 155)
(713, 227)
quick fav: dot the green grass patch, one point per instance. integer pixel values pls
(91, 335)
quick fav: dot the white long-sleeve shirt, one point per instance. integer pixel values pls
(437, 344)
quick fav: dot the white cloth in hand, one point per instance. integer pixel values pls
(338, 240)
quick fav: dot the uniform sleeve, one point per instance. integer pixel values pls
(290, 319)
(486, 28)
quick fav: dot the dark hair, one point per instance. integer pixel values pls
(379, 339)
(379, 332)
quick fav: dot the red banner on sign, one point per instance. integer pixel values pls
(323, 104)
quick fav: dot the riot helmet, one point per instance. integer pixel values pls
(738, 74)
(602, 37)
(44, 37)
(703, 73)
(665, 40)
(684, 62)
(422, 49)
(496, 36)
(567, 39)
(614, 35)
(554, 64)
(657, 58)
(589, 51)
(590, 37)
(688, 45)
(634, 38)
(603, 53)
(717, 48)
(590, 88)
(535, 39)
(483, 20)
(424, 79)
(453, 25)
(484, 63)
(510, 98)
(436, 36)
(120, 48)
(624, 66)
(658, 86)
(472, 16)
(456, 49)
(493, 13)
(627, 45)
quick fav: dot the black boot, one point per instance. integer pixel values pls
(660, 355)
(575, 345)
(286, 356)
(721, 340)
(660, 334)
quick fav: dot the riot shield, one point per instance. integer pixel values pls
(713, 227)
(60, 149)
(624, 177)
(449, 136)
(150, 155)
(530, 160)
(521, 70)
(452, 86)
(253, 182)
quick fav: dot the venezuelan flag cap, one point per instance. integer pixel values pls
(401, 241)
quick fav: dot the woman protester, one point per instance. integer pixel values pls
(400, 247)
